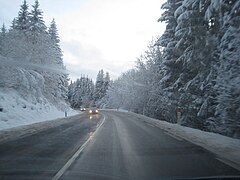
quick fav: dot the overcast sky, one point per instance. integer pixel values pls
(97, 34)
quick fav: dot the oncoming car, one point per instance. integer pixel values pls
(93, 111)
(82, 109)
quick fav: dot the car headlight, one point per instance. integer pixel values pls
(96, 111)
(90, 111)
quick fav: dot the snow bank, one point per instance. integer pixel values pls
(15, 111)
(227, 149)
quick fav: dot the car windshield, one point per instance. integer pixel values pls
(120, 89)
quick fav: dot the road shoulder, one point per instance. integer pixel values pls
(225, 148)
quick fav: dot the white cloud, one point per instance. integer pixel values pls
(108, 34)
(111, 34)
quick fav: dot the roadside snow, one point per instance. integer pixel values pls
(16, 111)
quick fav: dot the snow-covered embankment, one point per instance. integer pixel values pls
(16, 111)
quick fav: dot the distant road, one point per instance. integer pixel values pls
(123, 147)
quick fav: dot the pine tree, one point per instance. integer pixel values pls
(23, 20)
(169, 41)
(3, 30)
(191, 31)
(37, 24)
(171, 82)
(99, 86)
(106, 83)
(57, 52)
(2, 38)
(40, 44)
(13, 25)
(228, 81)
(80, 92)
(53, 32)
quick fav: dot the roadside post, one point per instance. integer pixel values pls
(179, 111)
(65, 113)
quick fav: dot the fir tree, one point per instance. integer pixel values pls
(13, 25)
(228, 81)
(53, 32)
(106, 83)
(3, 30)
(80, 92)
(99, 86)
(37, 24)
(23, 20)
(2, 38)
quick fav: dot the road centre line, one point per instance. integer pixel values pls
(76, 154)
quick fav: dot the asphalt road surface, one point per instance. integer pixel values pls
(41, 155)
(123, 147)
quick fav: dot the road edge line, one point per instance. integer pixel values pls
(59, 174)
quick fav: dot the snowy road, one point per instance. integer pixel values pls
(124, 147)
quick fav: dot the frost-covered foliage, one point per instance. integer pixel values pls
(127, 92)
(192, 68)
(101, 87)
(80, 92)
(84, 93)
(31, 59)
(228, 81)
(131, 90)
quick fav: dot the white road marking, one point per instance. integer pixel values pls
(74, 157)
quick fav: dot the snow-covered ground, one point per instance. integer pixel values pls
(16, 111)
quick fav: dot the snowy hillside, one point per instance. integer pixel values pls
(33, 78)
(17, 111)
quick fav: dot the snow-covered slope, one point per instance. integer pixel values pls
(16, 111)
(31, 92)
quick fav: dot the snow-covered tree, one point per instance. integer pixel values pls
(80, 92)
(228, 81)
(196, 69)
(32, 58)
(99, 86)
(2, 37)
(196, 57)
(3, 30)
(106, 82)
(37, 23)
(22, 22)
(53, 32)
(168, 84)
